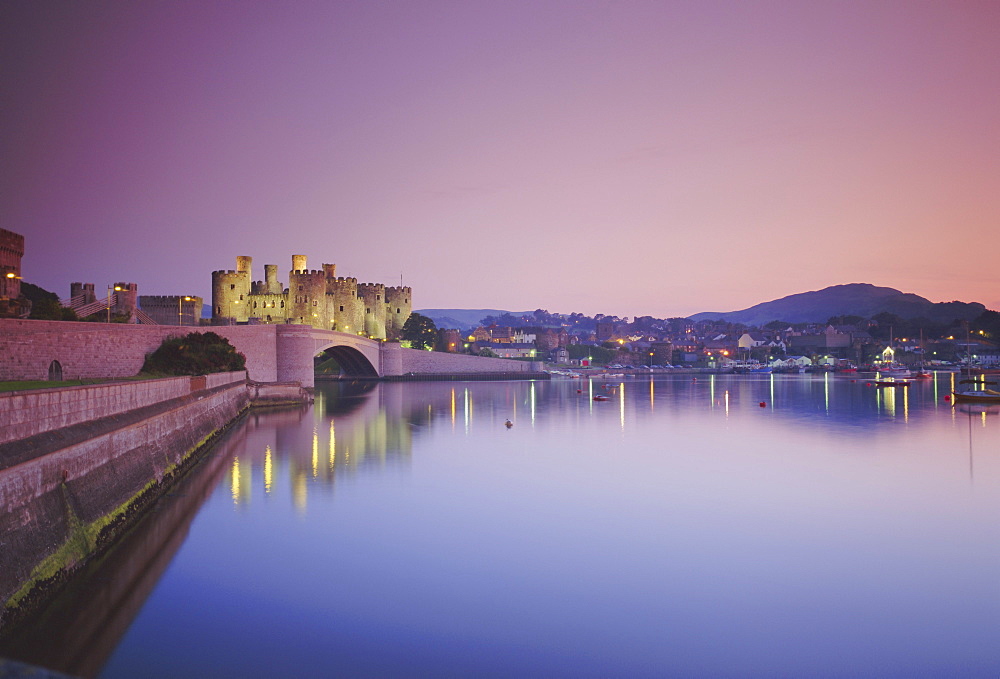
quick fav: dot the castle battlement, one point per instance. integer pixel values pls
(313, 297)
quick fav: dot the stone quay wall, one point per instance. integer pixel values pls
(27, 413)
(66, 494)
(415, 361)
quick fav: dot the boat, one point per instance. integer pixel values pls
(976, 396)
(891, 383)
(600, 397)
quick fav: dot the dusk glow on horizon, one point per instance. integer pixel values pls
(633, 158)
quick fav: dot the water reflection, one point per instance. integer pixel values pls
(676, 529)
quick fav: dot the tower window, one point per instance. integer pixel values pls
(341, 307)
(368, 311)
(397, 310)
(232, 286)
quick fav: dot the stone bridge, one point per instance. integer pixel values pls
(39, 350)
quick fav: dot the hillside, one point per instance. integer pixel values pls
(861, 299)
(463, 319)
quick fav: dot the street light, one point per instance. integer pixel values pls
(180, 301)
(117, 288)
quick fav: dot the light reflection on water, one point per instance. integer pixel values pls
(718, 526)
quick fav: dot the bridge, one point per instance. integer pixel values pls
(40, 350)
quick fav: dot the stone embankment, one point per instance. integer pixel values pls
(78, 465)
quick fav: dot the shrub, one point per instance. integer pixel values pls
(197, 353)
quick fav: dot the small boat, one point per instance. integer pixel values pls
(891, 383)
(600, 397)
(977, 396)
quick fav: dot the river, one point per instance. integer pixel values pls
(724, 526)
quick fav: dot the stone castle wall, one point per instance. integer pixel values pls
(110, 350)
(172, 309)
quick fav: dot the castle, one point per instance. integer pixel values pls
(317, 298)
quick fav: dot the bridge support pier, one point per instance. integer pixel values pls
(391, 358)
(295, 351)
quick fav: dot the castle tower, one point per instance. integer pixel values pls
(11, 252)
(307, 303)
(373, 295)
(271, 284)
(126, 298)
(398, 305)
(346, 307)
(230, 290)
(85, 290)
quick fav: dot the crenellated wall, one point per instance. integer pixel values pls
(315, 297)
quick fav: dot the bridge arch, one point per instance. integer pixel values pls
(352, 362)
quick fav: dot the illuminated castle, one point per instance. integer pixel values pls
(317, 298)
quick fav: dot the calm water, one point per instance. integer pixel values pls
(677, 529)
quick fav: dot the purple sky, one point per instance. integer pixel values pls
(628, 158)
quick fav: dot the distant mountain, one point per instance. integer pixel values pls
(859, 299)
(463, 319)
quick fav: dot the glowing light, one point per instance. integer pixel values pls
(315, 455)
(300, 492)
(267, 469)
(333, 447)
(10, 275)
(234, 481)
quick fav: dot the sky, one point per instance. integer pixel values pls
(625, 158)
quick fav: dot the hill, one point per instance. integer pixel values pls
(860, 299)
(463, 319)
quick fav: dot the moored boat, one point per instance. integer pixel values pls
(976, 396)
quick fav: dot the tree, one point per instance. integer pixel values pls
(45, 305)
(197, 353)
(847, 319)
(420, 331)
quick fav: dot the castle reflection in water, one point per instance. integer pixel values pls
(365, 426)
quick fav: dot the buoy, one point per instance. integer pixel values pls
(853, 380)
(508, 424)
(762, 404)
(947, 397)
(579, 391)
(868, 384)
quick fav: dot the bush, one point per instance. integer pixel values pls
(197, 353)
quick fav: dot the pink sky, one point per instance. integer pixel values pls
(630, 158)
